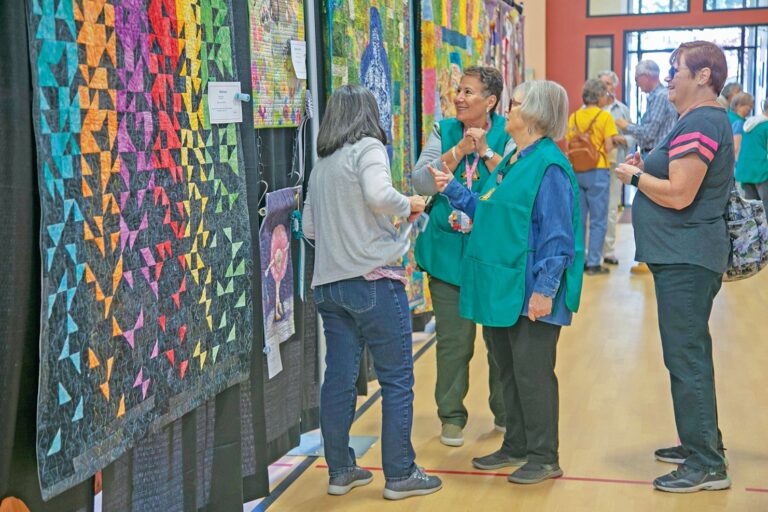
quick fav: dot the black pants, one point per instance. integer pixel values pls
(525, 354)
(684, 295)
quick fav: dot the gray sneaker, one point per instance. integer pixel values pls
(532, 473)
(341, 484)
(418, 484)
(496, 460)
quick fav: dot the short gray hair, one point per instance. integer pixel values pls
(491, 79)
(614, 77)
(545, 106)
(741, 99)
(730, 89)
(351, 115)
(592, 91)
(648, 68)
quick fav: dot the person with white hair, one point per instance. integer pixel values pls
(657, 121)
(522, 273)
(660, 115)
(622, 143)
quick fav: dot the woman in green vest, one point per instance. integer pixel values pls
(521, 274)
(752, 166)
(471, 145)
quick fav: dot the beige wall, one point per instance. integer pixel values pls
(535, 37)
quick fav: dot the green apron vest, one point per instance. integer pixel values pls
(752, 166)
(493, 271)
(440, 249)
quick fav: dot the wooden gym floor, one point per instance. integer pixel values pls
(615, 409)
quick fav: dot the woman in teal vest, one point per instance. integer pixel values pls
(752, 167)
(471, 143)
(521, 274)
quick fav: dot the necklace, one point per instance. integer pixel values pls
(697, 105)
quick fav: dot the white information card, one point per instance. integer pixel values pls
(223, 103)
(299, 58)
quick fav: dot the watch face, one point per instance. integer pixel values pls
(488, 154)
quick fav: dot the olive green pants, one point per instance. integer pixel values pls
(455, 347)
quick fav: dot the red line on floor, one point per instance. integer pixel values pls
(755, 489)
(486, 473)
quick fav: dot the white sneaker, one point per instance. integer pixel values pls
(452, 435)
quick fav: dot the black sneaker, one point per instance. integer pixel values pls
(341, 484)
(610, 260)
(418, 484)
(673, 454)
(688, 479)
(595, 270)
(532, 473)
(678, 454)
(496, 460)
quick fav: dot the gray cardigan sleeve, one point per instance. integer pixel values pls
(375, 179)
(430, 155)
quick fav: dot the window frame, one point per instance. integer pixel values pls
(686, 11)
(586, 52)
(743, 3)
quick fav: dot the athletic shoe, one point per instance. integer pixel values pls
(341, 484)
(497, 460)
(688, 479)
(532, 473)
(451, 435)
(418, 484)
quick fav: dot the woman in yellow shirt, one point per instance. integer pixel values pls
(594, 184)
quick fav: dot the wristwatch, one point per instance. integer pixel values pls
(488, 154)
(636, 178)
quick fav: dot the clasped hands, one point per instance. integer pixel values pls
(472, 142)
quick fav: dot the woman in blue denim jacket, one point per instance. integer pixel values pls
(359, 293)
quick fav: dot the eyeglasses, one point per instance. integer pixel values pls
(673, 71)
(514, 103)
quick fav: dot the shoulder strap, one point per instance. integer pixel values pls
(576, 122)
(589, 128)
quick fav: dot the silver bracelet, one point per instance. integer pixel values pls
(453, 154)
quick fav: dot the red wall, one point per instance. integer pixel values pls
(568, 27)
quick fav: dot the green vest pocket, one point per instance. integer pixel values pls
(439, 253)
(491, 294)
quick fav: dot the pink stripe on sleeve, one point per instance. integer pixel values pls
(695, 136)
(698, 146)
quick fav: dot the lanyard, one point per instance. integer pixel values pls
(471, 170)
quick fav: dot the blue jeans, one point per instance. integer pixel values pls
(375, 313)
(594, 193)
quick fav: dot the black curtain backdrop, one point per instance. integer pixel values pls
(214, 458)
(20, 279)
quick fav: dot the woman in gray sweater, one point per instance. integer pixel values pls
(360, 293)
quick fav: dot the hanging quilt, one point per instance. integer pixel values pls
(503, 48)
(146, 300)
(453, 35)
(278, 94)
(277, 273)
(370, 43)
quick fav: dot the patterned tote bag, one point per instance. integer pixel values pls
(748, 229)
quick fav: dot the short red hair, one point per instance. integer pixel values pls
(700, 55)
